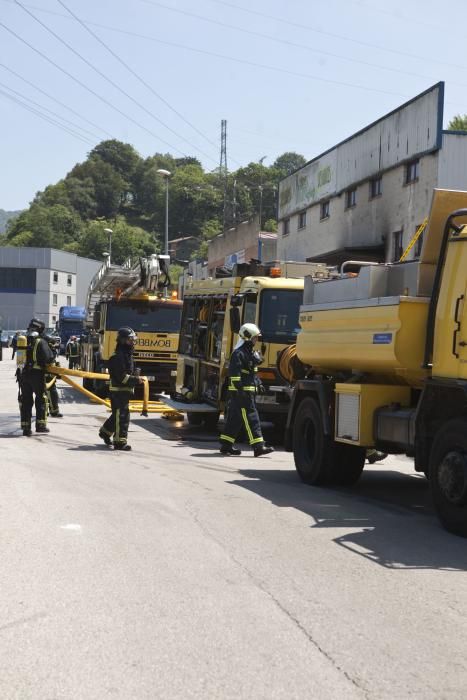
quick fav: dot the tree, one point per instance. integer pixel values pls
(45, 227)
(121, 156)
(458, 123)
(288, 162)
(127, 241)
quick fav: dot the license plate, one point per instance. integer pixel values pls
(150, 379)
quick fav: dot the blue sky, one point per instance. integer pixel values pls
(287, 75)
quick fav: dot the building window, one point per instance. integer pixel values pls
(324, 210)
(411, 171)
(17, 279)
(54, 319)
(68, 301)
(351, 198)
(418, 244)
(55, 277)
(68, 280)
(286, 227)
(397, 246)
(376, 187)
(54, 300)
(302, 220)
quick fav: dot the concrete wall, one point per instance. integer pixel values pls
(370, 222)
(242, 241)
(452, 172)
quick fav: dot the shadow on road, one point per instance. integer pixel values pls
(388, 516)
(181, 431)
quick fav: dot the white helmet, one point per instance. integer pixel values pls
(249, 331)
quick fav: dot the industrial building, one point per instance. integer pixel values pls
(365, 197)
(38, 281)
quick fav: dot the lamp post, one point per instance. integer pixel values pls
(110, 232)
(166, 174)
(261, 192)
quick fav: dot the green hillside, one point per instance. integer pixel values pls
(116, 188)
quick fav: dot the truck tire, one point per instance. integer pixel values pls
(318, 459)
(194, 418)
(211, 420)
(448, 475)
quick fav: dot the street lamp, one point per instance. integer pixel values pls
(166, 174)
(261, 192)
(110, 232)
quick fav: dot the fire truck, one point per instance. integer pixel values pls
(213, 311)
(134, 294)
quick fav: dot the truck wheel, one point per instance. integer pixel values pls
(312, 450)
(348, 464)
(194, 418)
(448, 476)
(318, 459)
(211, 420)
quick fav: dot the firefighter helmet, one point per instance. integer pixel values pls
(126, 333)
(249, 331)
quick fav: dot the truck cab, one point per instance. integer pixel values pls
(213, 311)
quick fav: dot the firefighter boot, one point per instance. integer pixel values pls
(262, 449)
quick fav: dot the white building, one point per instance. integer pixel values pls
(38, 281)
(366, 197)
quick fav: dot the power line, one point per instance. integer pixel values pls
(62, 104)
(44, 117)
(341, 37)
(109, 80)
(46, 109)
(83, 85)
(246, 62)
(135, 74)
(283, 21)
(279, 40)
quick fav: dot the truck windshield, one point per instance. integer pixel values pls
(279, 311)
(144, 317)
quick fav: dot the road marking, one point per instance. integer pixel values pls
(71, 526)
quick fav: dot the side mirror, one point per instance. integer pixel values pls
(236, 300)
(235, 319)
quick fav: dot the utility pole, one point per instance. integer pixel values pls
(261, 160)
(223, 169)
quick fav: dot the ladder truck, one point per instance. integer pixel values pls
(134, 294)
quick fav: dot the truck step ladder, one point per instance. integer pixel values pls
(414, 239)
(121, 280)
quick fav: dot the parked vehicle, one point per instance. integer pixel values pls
(385, 357)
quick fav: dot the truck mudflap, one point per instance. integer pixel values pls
(323, 391)
(184, 407)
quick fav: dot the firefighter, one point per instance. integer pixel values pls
(122, 382)
(243, 385)
(51, 379)
(31, 379)
(72, 353)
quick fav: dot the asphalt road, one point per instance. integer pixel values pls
(174, 572)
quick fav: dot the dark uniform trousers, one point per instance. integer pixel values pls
(241, 406)
(119, 420)
(33, 391)
(122, 383)
(52, 396)
(242, 413)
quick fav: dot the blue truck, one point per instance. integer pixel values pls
(71, 321)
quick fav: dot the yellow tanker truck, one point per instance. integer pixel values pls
(384, 356)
